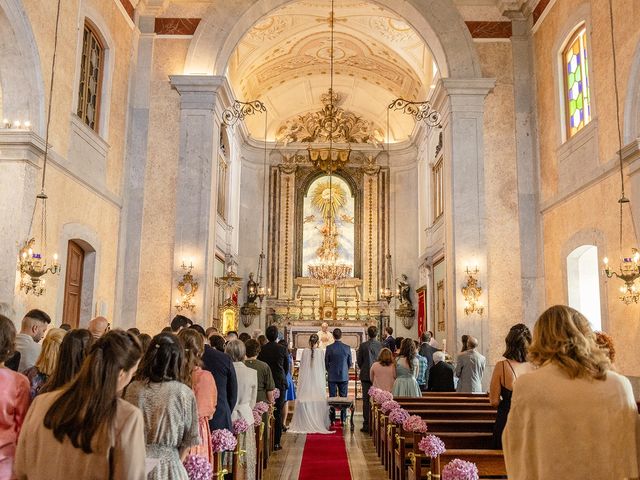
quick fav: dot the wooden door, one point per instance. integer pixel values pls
(73, 285)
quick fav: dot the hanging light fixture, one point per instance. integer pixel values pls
(629, 268)
(33, 263)
(327, 269)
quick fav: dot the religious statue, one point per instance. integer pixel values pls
(403, 291)
(252, 289)
(325, 336)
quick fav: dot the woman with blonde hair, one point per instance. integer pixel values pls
(573, 417)
(47, 361)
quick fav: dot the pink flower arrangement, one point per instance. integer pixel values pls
(198, 468)
(415, 424)
(257, 417)
(222, 440)
(276, 394)
(398, 416)
(383, 396)
(458, 469)
(240, 426)
(373, 391)
(389, 405)
(432, 446)
(261, 407)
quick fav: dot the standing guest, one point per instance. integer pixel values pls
(198, 329)
(218, 342)
(47, 361)
(365, 357)
(168, 406)
(13, 362)
(464, 339)
(179, 322)
(244, 336)
(383, 371)
(133, 330)
(247, 394)
(203, 386)
(387, 339)
(290, 394)
(34, 325)
(262, 340)
(86, 430)
(572, 418)
(74, 349)
(406, 384)
(66, 327)
(210, 331)
(231, 335)
(14, 400)
(221, 367)
(426, 349)
(605, 342)
(276, 357)
(256, 333)
(98, 327)
(505, 374)
(145, 340)
(470, 368)
(440, 375)
(423, 369)
(337, 362)
(433, 342)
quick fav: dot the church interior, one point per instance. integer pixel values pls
(450, 167)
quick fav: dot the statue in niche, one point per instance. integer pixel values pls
(404, 291)
(252, 289)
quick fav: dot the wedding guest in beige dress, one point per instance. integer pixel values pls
(85, 431)
(168, 406)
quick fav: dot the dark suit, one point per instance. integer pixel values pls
(441, 378)
(13, 362)
(427, 352)
(366, 356)
(389, 343)
(224, 374)
(276, 356)
(337, 361)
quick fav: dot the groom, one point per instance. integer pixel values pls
(337, 361)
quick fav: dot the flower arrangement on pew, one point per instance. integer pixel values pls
(398, 416)
(432, 446)
(198, 468)
(388, 406)
(414, 424)
(373, 392)
(222, 440)
(380, 396)
(458, 469)
(276, 394)
(258, 411)
(240, 426)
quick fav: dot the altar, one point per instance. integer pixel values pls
(298, 335)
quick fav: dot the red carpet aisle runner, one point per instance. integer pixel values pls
(325, 458)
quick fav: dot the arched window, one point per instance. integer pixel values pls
(91, 74)
(583, 279)
(577, 98)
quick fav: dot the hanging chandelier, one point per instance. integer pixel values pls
(32, 263)
(629, 267)
(328, 270)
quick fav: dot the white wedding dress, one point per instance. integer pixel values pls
(311, 414)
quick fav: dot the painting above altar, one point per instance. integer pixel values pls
(328, 215)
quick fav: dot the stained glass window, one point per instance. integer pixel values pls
(90, 77)
(576, 81)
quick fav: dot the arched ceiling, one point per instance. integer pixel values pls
(284, 61)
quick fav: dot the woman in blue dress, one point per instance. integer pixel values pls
(290, 394)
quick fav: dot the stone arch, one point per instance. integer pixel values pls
(437, 21)
(20, 71)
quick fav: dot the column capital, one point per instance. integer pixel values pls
(456, 94)
(201, 91)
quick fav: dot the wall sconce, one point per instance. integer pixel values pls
(187, 287)
(16, 124)
(471, 292)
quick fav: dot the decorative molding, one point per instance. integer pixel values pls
(176, 26)
(489, 29)
(540, 10)
(129, 8)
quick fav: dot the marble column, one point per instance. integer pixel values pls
(202, 99)
(461, 103)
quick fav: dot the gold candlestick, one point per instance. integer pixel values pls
(300, 316)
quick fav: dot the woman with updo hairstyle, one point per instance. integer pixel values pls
(573, 417)
(85, 430)
(168, 406)
(203, 386)
(74, 348)
(505, 374)
(14, 400)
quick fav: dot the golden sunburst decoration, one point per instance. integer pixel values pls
(328, 197)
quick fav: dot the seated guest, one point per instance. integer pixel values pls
(86, 430)
(505, 374)
(247, 394)
(74, 348)
(98, 327)
(573, 418)
(470, 368)
(168, 406)
(405, 384)
(14, 400)
(34, 325)
(423, 369)
(203, 386)
(383, 371)
(221, 367)
(440, 375)
(47, 360)
(179, 322)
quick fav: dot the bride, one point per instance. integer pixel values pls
(311, 414)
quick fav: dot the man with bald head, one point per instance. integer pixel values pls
(34, 325)
(98, 327)
(470, 368)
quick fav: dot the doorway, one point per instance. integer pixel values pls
(73, 285)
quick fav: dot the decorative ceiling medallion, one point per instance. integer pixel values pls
(332, 122)
(269, 29)
(395, 30)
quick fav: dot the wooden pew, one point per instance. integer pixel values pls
(490, 463)
(447, 406)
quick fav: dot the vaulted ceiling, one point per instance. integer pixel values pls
(284, 62)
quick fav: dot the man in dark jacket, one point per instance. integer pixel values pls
(224, 374)
(388, 340)
(276, 357)
(426, 350)
(440, 375)
(367, 354)
(337, 361)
